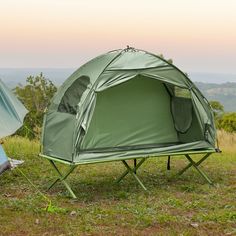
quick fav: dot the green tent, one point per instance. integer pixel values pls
(12, 114)
(126, 104)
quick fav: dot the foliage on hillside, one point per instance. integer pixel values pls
(218, 108)
(35, 95)
(228, 122)
(225, 121)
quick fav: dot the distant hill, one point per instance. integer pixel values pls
(220, 87)
(215, 78)
(14, 76)
(224, 93)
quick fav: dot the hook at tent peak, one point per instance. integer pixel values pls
(130, 49)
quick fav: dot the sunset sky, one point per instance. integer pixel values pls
(199, 35)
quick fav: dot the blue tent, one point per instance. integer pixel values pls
(4, 163)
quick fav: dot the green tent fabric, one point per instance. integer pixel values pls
(12, 113)
(126, 104)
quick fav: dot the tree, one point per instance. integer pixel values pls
(218, 111)
(36, 96)
(228, 122)
(217, 107)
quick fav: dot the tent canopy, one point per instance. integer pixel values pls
(12, 112)
(125, 104)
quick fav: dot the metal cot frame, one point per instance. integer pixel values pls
(131, 170)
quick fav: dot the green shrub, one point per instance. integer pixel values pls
(35, 96)
(228, 122)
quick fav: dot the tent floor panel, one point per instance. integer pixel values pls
(86, 162)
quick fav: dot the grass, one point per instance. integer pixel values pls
(183, 206)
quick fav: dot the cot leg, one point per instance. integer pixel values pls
(168, 163)
(122, 176)
(195, 165)
(62, 178)
(132, 172)
(135, 165)
(53, 183)
(127, 171)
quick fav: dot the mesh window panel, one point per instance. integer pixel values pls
(73, 95)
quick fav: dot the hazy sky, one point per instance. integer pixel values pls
(200, 35)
